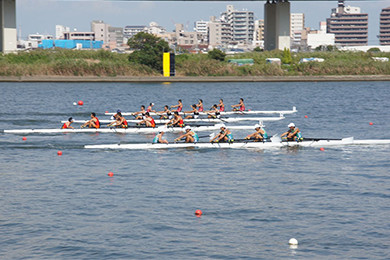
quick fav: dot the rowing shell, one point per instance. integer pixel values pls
(251, 112)
(242, 145)
(206, 120)
(122, 130)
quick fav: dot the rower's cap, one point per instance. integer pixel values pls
(257, 126)
(118, 111)
(187, 128)
(291, 125)
(70, 119)
(222, 125)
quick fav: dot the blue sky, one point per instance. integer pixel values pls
(41, 16)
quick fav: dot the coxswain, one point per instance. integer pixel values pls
(148, 121)
(93, 123)
(224, 136)
(140, 114)
(195, 112)
(158, 138)
(240, 106)
(293, 134)
(120, 121)
(214, 112)
(179, 106)
(200, 105)
(68, 124)
(167, 112)
(189, 135)
(150, 108)
(221, 106)
(259, 135)
(177, 120)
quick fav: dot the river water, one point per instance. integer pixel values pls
(336, 202)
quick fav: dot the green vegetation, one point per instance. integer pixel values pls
(59, 62)
(217, 55)
(147, 50)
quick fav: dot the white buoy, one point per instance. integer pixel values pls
(293, 241)
(74, 103)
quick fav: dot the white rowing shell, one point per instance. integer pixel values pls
(251, 112)
(241, 145)
(206, 120)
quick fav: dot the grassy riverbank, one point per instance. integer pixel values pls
(63, 63)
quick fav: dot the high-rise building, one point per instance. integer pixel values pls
(258, 34)
(384, 27)
(101, 31)
(349, 25)
(297, 22)
(241, 24)
(297, 25)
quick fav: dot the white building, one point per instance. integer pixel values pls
(34, 40)
(131, 30)
(60, 29)
(297, 25)
(320, 37)
(155, 29)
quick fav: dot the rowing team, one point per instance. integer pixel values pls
(214, 112)
(225, 135)
(120, 121)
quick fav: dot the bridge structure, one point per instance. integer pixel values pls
(276, 23)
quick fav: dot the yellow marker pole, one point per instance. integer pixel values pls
(166, 64)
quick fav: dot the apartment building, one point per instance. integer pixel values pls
(384, 27)
(349, 25)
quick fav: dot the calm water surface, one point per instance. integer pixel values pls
(336, 203)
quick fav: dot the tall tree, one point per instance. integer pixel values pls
(148, 50)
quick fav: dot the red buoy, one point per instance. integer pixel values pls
(110, 174)
(59, 153)
(322, 149)
(80, 103)
(306, 116)
(106, 111)
(371, 123)
(24, 138)
(198, 213)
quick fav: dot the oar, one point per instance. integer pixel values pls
(214, 117)
(319, 139)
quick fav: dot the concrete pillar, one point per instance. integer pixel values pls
(7, 26)
(276, 25)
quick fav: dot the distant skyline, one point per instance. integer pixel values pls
(41, 16)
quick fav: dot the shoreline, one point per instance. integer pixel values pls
(196, 79)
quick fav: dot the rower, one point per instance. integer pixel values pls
(195, 112)
(189, 135)
(200, 105)
(240, 106)
(224, 136)
(150, 108)
(177, 120)
(68, 123)
(120, 121)
(93, 123)
(140, 114)
(148, 121)
(158, 138)
(293, 134)
(166, 111)
(214, 112)
(179, 106)
(221, 105)
(259, 135)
